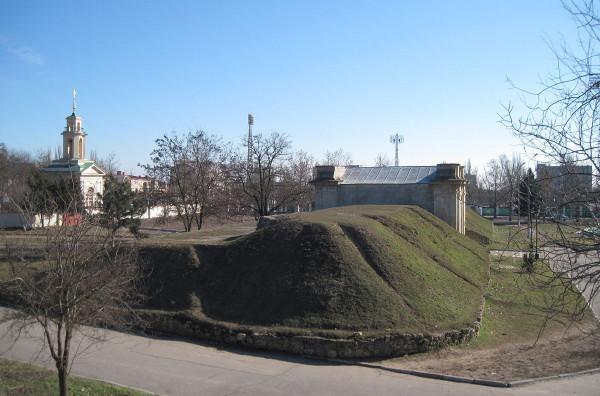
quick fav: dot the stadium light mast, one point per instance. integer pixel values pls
(396, 139)
(250, 123)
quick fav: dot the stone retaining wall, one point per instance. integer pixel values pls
(355, 347)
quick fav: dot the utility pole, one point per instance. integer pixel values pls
(250, 123)
(396, 139)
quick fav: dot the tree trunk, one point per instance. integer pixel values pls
(510, 205)
(199, 220)
(62, 381)
(62, 364)
(495, 203)
(187, 224)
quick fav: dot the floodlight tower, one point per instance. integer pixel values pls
(250, 123)
(396, 139)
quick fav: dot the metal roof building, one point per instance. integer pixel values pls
(438, 189)
(389, 175)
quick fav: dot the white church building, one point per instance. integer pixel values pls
(73, 162)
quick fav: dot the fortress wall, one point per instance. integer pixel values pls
(354, 347)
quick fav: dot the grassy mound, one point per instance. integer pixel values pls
(353, 268)
(478, 227)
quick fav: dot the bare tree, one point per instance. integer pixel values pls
(473, 196)
(559, 123)
(493, 179)
(338, 158)
(16, 169)
(382, 160)
(513, 171)
(297, 178)
(43, 157)
(110, 164)
(194, 168)
(269, 184)
(73, 279)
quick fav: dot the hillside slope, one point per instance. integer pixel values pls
(354, 268)
(479, 228)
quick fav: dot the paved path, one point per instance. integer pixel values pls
(561, 259)
(587, 273)
(180, 367)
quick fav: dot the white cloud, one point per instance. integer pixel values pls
(27, 54)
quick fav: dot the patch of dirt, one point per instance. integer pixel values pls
(174, 224)
(558, 354)
(213, 229)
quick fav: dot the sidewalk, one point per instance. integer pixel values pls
(175, 366)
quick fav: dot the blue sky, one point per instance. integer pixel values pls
(330, 74)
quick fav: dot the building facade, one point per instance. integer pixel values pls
(566, 189)
(559, 178)
(439, 189)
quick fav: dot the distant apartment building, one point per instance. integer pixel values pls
(559, 177)
(565, 188)
(140, 184)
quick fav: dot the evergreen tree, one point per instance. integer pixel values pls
(121, 207)
(38, 198)
(66, 194)
(46, 196)
(530, 198)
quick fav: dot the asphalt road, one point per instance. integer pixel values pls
(183, 367)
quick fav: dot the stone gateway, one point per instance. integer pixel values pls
(439, 189)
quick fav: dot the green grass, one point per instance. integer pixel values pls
(516, 237)
(519, 305)
(363, 268)
(478, 227)
(25, 379)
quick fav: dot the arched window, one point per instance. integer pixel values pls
(89, 197)
(70, 148)
(80, 154)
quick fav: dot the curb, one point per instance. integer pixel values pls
(121, 385)
(513, 384)
(465, 380)
(450, 378)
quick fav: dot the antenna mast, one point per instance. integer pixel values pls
(250, 123)
(396, 139)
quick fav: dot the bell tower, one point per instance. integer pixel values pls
(73, 163)
(73, 135)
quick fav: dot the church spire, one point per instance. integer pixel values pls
(74, 136)
(74, 102)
